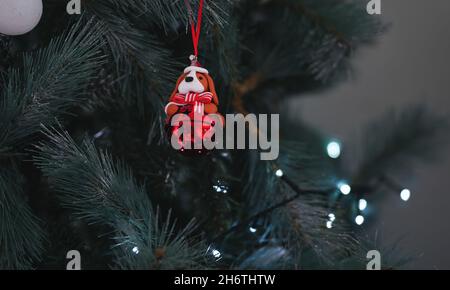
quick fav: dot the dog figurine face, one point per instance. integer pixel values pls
(195, 80)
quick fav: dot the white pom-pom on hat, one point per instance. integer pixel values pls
(195, 66)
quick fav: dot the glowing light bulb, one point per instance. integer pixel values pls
(405, 194)
(99, 134)
(220, 188)
(334, 149)
(279, 173)
(359, 220)
(216, 253)
(345, 188)
(332, 217)
(135, 250)
(362, 204)
(252, 230)
(329, 224)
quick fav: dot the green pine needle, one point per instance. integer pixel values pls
(21, 235)
(101, 191)
(50, 83)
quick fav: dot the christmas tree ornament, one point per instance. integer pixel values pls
(194, 96)
(194, 92)
(19, 16)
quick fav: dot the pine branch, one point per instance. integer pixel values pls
(50, 83)
(346, 26)
(141, 69)
(8, 51)
(167, 14)
(308, 45)
(169, 249)
(131, 46)
(297, 217)
(101, 191)
(21, 235)
(264, 213)
(398, 139)
(266, 258)
(131, 42)
(392, 255)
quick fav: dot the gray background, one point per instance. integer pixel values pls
(409, 64)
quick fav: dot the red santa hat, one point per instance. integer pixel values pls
(195, 66)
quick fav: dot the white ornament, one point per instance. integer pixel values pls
(19, 16)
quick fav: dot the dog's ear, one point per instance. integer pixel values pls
(175, 91)
(212, 89)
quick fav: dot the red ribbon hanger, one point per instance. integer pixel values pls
(195, 29)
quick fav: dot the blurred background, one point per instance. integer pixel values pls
(409, 64)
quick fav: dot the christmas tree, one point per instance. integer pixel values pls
(86, 163)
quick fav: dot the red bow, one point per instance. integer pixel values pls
(192, 98)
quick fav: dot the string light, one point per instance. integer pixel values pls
(362, 204)
(135, 250)
(345, 188)
(220, 188)
(216, 253)
(359, 220)
(99, 134)
(279, 173)
(332, 217)
(405, 194)
(334, 149)
(102, 132)
(252, 230)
